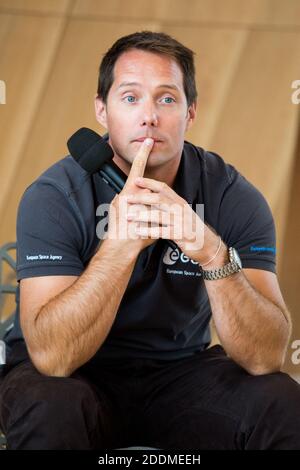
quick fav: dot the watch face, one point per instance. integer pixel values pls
(236, 258)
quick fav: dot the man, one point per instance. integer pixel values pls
(117, 332)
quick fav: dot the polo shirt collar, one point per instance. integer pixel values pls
(188, 179)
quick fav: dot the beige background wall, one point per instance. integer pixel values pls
(247, 56)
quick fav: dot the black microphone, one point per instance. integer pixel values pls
(95, 155)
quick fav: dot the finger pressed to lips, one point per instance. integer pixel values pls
(139, 163)
(142, 141)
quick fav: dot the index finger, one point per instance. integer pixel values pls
(139, 163)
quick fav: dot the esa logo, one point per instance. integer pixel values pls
(172, 256)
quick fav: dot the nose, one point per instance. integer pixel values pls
(149, 116)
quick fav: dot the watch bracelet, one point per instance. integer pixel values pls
(222, 272)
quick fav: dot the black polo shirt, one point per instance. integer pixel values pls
(165, 310)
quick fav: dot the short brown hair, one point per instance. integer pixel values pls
(158, 43)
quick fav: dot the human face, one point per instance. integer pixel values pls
(146, 99)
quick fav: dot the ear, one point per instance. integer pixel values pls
(100, 110)
(191, 115)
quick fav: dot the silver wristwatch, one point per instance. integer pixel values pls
(234, 266)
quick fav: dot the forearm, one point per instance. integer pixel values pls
(253, 330)
(71, 327)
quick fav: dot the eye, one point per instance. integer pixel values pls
(168, 100)
(129, 99)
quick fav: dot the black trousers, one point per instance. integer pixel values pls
(205, 401)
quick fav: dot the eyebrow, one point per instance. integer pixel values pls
(163, 85)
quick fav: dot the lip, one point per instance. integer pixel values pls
(141, 139)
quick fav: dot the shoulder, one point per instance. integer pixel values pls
(226, 193)
(212, 166)
(65, 176)
(216, 176)
(56, 215)
(61, 199)
(63, 185)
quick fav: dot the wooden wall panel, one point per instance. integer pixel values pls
(257, 127)
(258, 117)
(25, 64)
(5, 27)
(291, 261)
(30, 6)
(237, 13)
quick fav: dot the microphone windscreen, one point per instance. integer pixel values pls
(89, 149)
